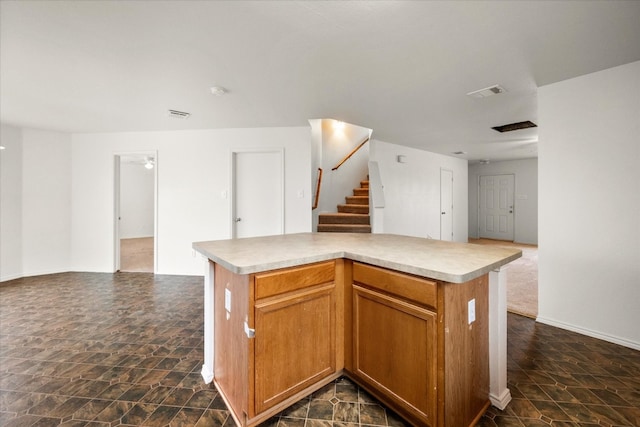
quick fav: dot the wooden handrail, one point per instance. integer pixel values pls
(315, 202)
(350, 154)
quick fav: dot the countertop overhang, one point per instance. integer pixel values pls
(436, 259)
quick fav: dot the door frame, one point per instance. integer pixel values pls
(452, 200)
(116, 205)
(232, 180)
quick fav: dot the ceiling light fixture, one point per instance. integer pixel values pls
(2, 147)
(487, 91)
(218, 90)
(148, 164)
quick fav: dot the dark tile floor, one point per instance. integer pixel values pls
(89, 349)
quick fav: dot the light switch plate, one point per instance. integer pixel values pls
(472, 310)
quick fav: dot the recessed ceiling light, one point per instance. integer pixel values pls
(218, 90)
(487, 91)
(2, 147)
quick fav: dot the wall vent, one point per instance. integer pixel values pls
(179, 114)
(487, 91)
(515, 126)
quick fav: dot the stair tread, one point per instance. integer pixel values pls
(343, 213)
(357, 228)
(343, 218)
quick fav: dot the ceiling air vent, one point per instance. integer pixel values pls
(487, 91)
(515, 126)
(179, 114)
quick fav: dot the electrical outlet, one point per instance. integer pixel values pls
(472, 310)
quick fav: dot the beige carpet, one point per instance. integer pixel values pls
(136, 255)
(522, 278)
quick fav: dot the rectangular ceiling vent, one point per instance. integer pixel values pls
(515, 126)
(178, 114)
(487, 91)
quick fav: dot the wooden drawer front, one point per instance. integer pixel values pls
(282, 281)
(412, 288)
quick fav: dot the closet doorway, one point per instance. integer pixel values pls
(135, 212)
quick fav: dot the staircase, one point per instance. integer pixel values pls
(352, 217)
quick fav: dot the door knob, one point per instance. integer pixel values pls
(444, 213)
(238, 219)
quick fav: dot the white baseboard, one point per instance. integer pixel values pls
(10, 277)
(31, 274)
(207, 374)
(501, 401)
(590, 333)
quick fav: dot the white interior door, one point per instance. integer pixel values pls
(446, 204)
(496, 207)
(258, 193)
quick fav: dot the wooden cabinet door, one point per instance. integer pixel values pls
(294, 343)
(395, 351)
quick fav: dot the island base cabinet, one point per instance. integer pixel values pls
(294, 344)
(418, 348)
(395, 352)
(275, 337)
(410, 341)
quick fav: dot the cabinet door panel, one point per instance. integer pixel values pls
(294, 344)
(395, 350)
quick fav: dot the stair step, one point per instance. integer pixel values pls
(344, 228)
(357, 200)
(361, 192)
(343, 218)
(364, 184)
(349, 208)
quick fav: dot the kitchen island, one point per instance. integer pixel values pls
(419, 323)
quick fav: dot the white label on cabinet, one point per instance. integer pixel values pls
(472, 310)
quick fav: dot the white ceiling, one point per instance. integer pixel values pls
(399, 68)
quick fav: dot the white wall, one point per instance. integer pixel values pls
(525, 200)
(193, 176)
(589, 177)
(10, 203)
(412, 191)
(34, 202)
(46, 201)
(137, 190)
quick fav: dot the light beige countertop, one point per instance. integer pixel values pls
(435, 259)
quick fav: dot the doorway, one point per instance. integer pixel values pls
(257, 205)
(135, 240)
(496, 208)
(446, 204)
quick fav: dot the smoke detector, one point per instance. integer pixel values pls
(218, 90)
(179, 114)
(487, 91)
